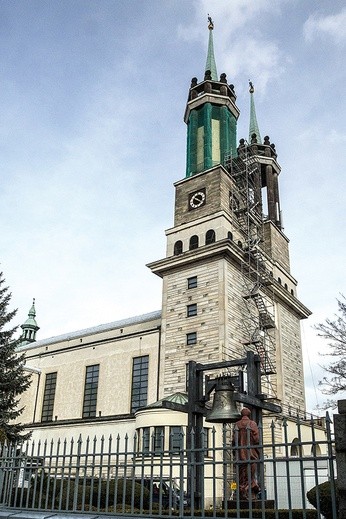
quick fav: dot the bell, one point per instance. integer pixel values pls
(224, 408)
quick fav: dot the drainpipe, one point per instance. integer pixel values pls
(158, 366)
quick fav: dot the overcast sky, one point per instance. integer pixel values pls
(92, 138)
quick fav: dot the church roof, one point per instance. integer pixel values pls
(152, 316)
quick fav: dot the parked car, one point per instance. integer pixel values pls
(164, 491)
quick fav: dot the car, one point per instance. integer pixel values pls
(164, 491)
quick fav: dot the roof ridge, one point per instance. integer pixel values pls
(95, 329)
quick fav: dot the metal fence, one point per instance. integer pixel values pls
(195, 475)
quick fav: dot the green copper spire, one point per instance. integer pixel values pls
(210, 64)
(253, 129)
(211, 116)
(29, 327)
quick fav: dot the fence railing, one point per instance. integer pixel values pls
(195, 476)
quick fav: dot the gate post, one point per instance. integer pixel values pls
(340, 451)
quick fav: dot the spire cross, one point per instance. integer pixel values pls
(211, 23)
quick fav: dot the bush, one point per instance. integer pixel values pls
(116, 490)
(92, 494)
(325, 498)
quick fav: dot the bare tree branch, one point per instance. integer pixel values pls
(334, 331)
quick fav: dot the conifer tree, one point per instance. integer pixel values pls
(13, 379)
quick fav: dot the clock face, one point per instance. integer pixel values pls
(197, 199)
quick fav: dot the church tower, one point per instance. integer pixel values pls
(227, 286)
(211, 117)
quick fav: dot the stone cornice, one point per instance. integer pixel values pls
(229, 250)
(215, 99)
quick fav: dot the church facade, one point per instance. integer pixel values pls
(227, 289)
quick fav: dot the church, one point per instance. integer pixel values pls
(227, 289)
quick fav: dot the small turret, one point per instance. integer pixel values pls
(30, 327)
(269, 168)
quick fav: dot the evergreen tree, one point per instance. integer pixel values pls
(13, 379)
(334, 330)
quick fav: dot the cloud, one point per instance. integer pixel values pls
(333, 26)
(241, 39)
(228, 16)
(261, 67)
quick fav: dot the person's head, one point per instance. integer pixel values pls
(245, 412)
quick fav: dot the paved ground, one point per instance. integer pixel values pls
(27, 514)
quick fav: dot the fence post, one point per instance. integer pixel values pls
(340, 450)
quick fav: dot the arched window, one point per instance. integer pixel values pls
(279, 280)
(178, 247)
(286, 286)
(230, 235)
(210, 237)
(193, 242)
(316, 450)
(240, 244)
(296, 448)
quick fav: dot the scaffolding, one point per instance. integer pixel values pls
(258, 309)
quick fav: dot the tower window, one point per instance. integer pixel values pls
(279, 280)
(233, 202)
(193, 242)
(230, 236)
(210, 237)
(48, 397)
(191, 338)
(191, 310)
(140, 372)
(90, 391)
(178, 247)
(240, 245)
(192, 282)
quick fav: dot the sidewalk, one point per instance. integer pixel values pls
(27, 514)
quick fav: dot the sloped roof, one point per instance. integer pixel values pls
(152, 316)
(176, 398)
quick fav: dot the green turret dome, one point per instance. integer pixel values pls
(30, 327)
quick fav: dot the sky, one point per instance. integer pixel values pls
(92, 138)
